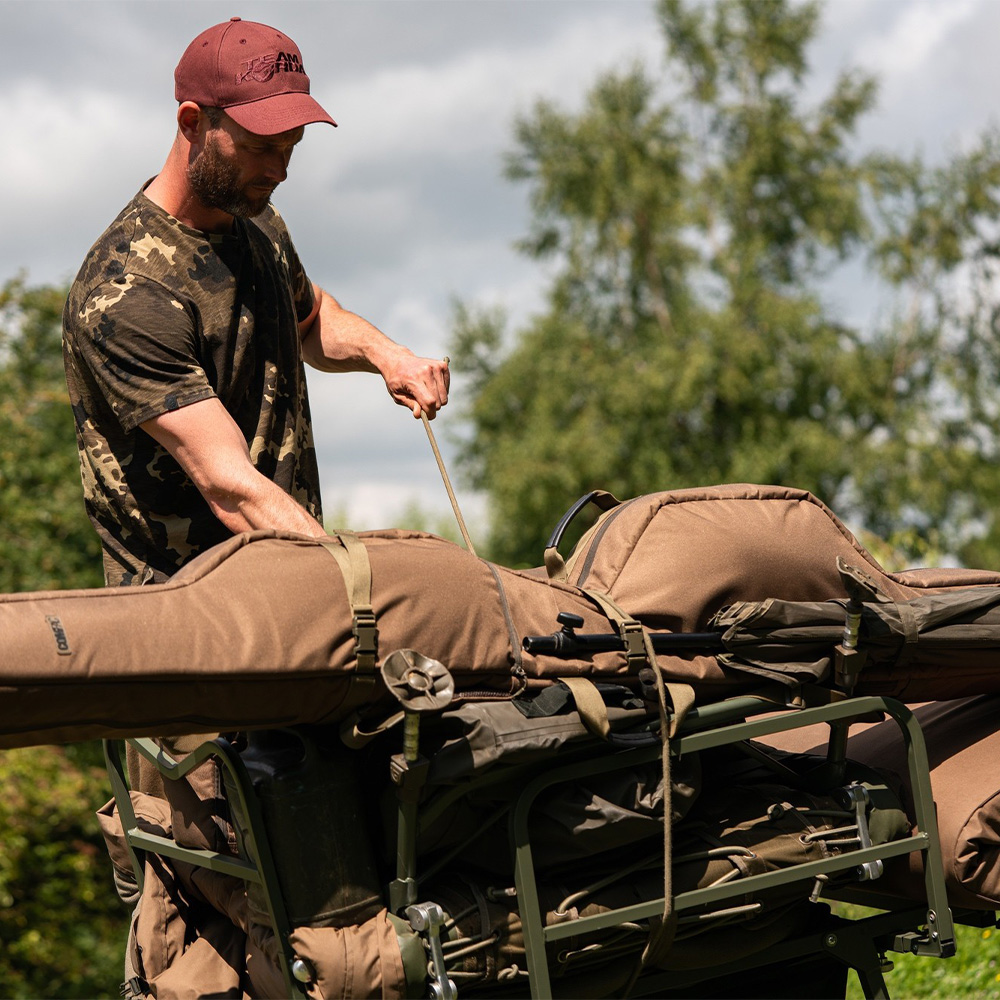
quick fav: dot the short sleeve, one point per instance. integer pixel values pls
(138, 344)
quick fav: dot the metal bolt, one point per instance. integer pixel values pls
(411, 736)
(830, 940)
(302, 971)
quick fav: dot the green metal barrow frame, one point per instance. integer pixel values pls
(718, 725)
(255, 862)
(705, 728)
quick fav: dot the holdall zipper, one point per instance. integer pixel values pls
(588, 563)
(515, 641)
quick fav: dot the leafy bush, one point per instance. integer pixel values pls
(62, 925)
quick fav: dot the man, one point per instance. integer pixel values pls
(185, 334)
(187, 326)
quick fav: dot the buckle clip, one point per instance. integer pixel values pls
(635, 646)
(365, 634)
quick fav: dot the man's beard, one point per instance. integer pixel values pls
(215, 180)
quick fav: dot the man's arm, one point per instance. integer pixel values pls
(208, 445)
(337, 340)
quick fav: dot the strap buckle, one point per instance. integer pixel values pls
(365, 633)
(635, 645)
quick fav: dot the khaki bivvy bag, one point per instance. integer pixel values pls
(260, 630)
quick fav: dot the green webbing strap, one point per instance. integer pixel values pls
(555, 565)
(590, 705)
(639, 653)
(352, 558)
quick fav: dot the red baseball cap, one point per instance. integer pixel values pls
(254, 72)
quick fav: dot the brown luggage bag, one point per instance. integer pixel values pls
(263, 630)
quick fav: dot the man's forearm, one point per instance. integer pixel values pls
(211, 449)
(337, 340)
(256, 503)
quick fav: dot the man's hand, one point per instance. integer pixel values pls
(335, 339)
(418, 383)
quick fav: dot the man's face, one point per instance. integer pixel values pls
(237, 171)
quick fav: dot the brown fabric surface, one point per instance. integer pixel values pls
(198, 809)
(180, 943)
(188, 933)
(257, 631)
(673, 559)
(205, 650)
(194, 934)
(963, 747)
(357, 962)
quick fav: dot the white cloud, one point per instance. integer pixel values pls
(420, 321)
(918, 30)
(67, 167)
(465, 104)
(934, 63)
(372, 504)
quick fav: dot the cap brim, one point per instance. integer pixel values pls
(279, 113)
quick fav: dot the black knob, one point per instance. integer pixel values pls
(569, 621)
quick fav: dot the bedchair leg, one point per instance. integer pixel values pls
(860, 952)
(873, 982)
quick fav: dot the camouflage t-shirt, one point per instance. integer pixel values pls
(161, 316)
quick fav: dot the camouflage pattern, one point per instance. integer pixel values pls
(161, 316)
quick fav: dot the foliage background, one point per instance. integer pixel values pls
(61, 923)
(694, 218)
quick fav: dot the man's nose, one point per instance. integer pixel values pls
(276, 167)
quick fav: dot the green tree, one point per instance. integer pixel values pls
(693, 218)
(62, 926)
(930, 469)
(47, 541)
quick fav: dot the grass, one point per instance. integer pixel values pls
(973, 973)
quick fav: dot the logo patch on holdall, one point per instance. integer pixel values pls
(59, 634)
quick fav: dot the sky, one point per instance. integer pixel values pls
(403, 208)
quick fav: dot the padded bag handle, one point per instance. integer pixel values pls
(555, 565)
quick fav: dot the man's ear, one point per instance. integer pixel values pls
(191, 121)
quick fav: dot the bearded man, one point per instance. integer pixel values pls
(186, 329)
